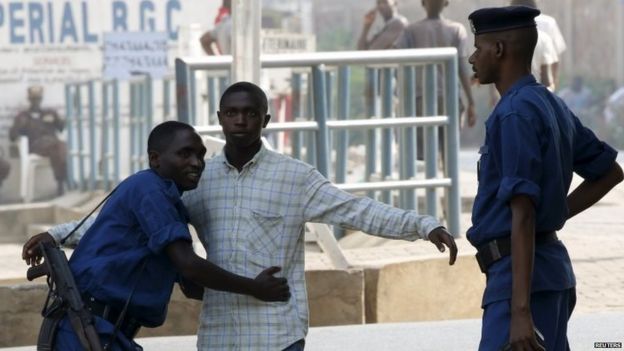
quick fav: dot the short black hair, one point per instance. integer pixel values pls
(161, 136)
(255, 91)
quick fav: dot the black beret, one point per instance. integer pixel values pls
(497, 19)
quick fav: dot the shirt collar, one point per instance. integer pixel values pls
(257, 157)
(520, 83)
(171, 189)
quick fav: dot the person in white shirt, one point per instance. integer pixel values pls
(548, 25)
(250, 209)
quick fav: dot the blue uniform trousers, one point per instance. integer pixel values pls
(67, 340)
(551, 311)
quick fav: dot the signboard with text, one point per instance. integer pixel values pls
(133, 53)
(52, 42)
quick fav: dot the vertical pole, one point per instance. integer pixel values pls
(166, 98)
(83, 185)
(409, 136)
(452, 144)
(431, 138)
(320, 113)
(212, 99)
(371, 93)
(149, 116)
(342, 137)
(386, 160)
(182, 91)
(246, 17)
(296, 140)
(193, 95)
(92, 136)
(133, 126)
(329, 100)
(619, 42)
(310, 136)
(71, 147)
(116, 132)
(105, 137)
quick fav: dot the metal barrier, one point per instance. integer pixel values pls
(106, 118)
(398, 81)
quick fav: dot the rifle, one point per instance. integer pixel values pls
(64, 294)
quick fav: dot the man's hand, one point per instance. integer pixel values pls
(30, 252)
(270, 288)
(522, 333)
(440, 237)
(369, 18)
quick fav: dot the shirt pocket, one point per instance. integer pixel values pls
(264, 232)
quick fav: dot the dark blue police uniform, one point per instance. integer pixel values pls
(124, 249)
(533, 144)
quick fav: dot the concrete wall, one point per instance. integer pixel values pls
(14, 220)
(424, 290)
(407, 291)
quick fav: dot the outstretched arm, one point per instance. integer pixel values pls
(591, 191)
(323, 202)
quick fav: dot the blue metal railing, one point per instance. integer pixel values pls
(398, 81)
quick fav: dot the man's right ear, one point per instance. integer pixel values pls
(154, 159)
(219, 117)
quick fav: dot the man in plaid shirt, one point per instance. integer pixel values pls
(250, 210)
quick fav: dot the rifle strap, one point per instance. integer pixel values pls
(51, 318)
(122, 314)
(62, 241)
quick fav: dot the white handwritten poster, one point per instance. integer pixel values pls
(135, 53)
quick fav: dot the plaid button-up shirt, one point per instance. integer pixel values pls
(254, 219)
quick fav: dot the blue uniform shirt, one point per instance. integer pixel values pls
(138, 221)
(533, 144)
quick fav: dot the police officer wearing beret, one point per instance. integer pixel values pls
(41, 127)
(533, 144)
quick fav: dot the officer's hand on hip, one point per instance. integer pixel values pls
(440, 237)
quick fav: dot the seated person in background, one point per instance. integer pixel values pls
(139, 246)
(41, 127)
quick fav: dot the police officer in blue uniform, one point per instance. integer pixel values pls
(533, 144)
(139, 246)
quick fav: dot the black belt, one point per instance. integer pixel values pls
(496, 249)
(128, 327)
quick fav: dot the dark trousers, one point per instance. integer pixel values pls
(297, 346)
(551, 311)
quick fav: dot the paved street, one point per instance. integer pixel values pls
(459, 335)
